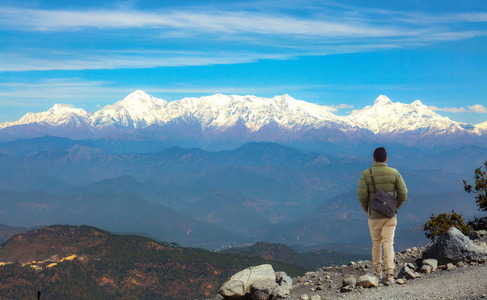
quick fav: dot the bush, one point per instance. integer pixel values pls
(437, 225)
(480, 187)
(478, 223)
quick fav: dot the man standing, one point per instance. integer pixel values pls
(381, 227)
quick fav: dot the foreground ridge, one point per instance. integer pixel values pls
(457, 270)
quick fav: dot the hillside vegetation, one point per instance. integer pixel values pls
(83, 262)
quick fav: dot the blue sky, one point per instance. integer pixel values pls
(341, 54)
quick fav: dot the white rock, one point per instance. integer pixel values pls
(239, 284)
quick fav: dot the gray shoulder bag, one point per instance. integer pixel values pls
(383, 202)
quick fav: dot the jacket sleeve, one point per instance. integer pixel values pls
(401, 190)
(363, 192)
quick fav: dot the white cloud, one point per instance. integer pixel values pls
(447, 109)
(196, 22)
(341, 106)
(477, 108)
(128, 59)
(262, 29)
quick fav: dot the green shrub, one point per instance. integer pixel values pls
(437, 225)
(480, 187)
(478, 223)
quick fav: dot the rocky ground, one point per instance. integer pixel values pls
(450, 281)
(460, 282)
(455, 275)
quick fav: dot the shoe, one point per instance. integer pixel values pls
(379, 275)
(390, 279)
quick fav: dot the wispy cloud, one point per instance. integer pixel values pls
(242, 33)
(477, 108)
(127, 60)
(447, 109)
(47, 92)
(197, 22)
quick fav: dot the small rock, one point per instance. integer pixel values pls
(283, 279)
(477, 234)
(410, 265)
(426, 269)
(346, 289)
(304, 297)
(450, 266)
(262, 289)
(407, 273)
(312, 289)
(368, 280)
(461, 265)
(352, 263)
(327, 277)
(320, 288)
(400, 281)
(431, 262)
(280, 292)
(414, 249)
(350, 280)
(310, 274)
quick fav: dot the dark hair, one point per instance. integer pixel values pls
(380, 154)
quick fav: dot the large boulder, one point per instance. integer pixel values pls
(454, 247)
(238, 287)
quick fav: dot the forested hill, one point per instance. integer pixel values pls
(82, 262)
(311, 260)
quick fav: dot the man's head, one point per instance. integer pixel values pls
(380, 154)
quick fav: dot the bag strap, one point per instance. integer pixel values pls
(373, 181)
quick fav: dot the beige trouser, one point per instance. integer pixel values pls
(382, 231)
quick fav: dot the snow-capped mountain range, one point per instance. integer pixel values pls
(242, 118)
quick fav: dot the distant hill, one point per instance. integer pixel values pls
(311, 260)
(83, 262)
(257, 192)
(6, 232)
(118, 212)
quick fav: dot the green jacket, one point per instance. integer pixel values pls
(387, 179)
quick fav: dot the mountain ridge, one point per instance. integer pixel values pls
(224, 118)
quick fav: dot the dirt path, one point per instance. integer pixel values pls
(461, 283)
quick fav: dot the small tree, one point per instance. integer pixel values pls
(480, 189)
(437, 225)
